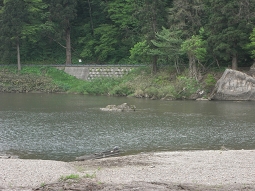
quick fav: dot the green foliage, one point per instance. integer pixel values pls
(139, 83)
(210, 80)
(186, 16)
(151, 92)
(63, 11)
(127, 31)
(122, 89)
(209, 83)
(167, 92)
(139, 53)
(185, 87)
(106, 45)
(195, 46)
(42, 184)
(101, 86)
(120, 12)
(168, 43)
(90, 175)
(32, 70)
(251, 46)
(229, 25)
(65, 81)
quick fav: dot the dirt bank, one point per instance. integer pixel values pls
(197, 170)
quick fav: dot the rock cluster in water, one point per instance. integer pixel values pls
(122, 107)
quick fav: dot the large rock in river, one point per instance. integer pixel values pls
(122, 107)
(234, 85)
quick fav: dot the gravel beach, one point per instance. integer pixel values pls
(187, 170)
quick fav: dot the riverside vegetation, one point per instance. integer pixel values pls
(140, 82)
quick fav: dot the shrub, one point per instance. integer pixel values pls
(151, 92)
(210, 80)
(121, 90)
(166, 92)
(185, 87)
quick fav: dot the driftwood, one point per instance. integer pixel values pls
(110, 153)
(8, 157)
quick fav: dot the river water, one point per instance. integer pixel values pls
(63, 126)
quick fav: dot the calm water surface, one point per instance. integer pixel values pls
(61, 127)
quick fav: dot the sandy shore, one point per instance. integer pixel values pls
(191, 170)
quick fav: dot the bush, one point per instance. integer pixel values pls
(185, 87)
(210, 80)
(101, 86)
(167, 92)
(151, 92)
(121, 90)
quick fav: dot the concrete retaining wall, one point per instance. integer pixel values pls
(91, 72)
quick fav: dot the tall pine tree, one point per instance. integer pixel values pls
(62, 13)
(13, 19)
(229, 25)
(186, 16)
(151, 16)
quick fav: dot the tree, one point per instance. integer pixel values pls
(120, 12)
(168, 44)
(186, 15)
(139, 53)
(229, 25)
(109, 37)
(13, 19)
(195, 47)
(251, 46)
(62, 13)
(151, 16)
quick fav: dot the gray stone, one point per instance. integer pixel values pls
(122, 107)
(234, 85)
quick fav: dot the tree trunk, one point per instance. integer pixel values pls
(91, 19)
(192, 67)
(234, 62)
(68, 47)
(18, 57)
(154, 64)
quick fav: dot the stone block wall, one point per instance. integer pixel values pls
(91, 72)
(95, 72)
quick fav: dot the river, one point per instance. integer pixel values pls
(64, 126)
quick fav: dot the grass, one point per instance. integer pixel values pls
(90, 175)
(165, 84)
(70, 177)
(43, 184)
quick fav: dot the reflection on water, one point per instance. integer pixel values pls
(61, 127)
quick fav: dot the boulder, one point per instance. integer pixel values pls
(234, 85)
(122, 107)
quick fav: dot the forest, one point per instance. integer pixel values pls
(196, 34)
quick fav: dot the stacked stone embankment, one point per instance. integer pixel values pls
(92, 72)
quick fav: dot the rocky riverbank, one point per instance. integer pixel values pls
(192, 170)
(17, 83)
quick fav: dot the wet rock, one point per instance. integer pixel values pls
(122, 107)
